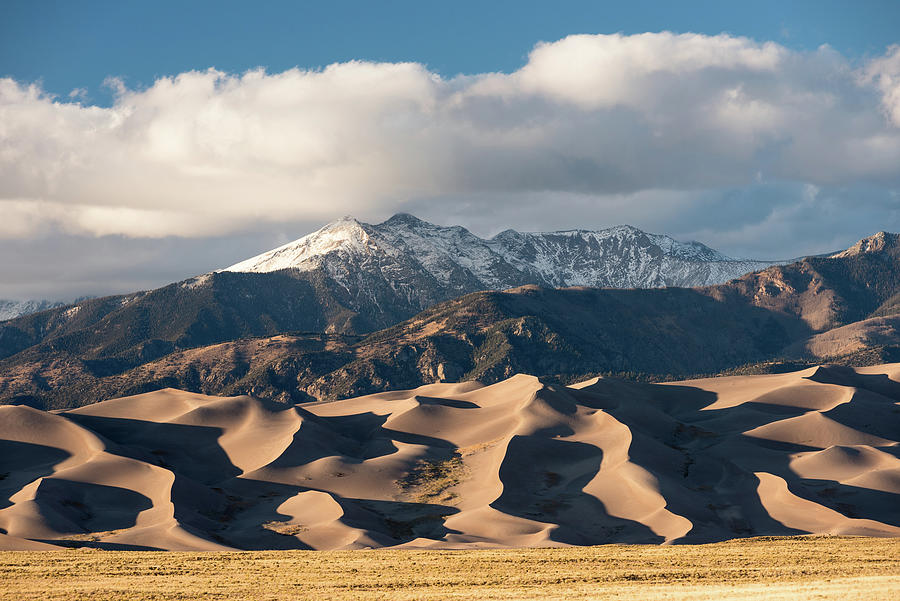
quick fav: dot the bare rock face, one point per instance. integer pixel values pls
(449, 372)
(875, 243)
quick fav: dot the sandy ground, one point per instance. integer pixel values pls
(789, 569)
(521, 463)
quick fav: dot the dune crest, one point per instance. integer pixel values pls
(519, 463)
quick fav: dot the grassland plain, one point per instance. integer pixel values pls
(762, 568)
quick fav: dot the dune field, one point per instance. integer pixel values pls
(521, 463)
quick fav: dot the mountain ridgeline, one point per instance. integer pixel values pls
(427, 263)
(287, 335)
(350, 277)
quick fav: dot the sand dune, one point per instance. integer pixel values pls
(518, 463)
(851, 338)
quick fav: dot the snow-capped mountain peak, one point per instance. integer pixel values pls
(425, 263)
(10, 309)
(344, 235)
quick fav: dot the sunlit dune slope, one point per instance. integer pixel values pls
(518, 463)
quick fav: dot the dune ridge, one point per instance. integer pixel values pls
(523, 462)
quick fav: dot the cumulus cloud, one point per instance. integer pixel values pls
(884, 72)
(609, 120)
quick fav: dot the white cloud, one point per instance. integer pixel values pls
(885, 73)
(602, 118)
(595, 71)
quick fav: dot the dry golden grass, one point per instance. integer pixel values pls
(769, 568)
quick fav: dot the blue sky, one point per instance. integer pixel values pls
(764, 129)
(69, 45)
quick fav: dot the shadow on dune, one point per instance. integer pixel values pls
(236, 514)
(400, 521)
(89, 544)
(543, 480)
(186, 450)
(869, 412)
(191, 453)
(701, 462)
(256, 503)
(687, 450)
(439, 402)
(848, 500)
(368, 426)
(211, 501)
(847, 376)
(774, 457)
(718, 489)
(358, 437)
(70, 506)
(24, 462)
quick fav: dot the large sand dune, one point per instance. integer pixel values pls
(518, 463)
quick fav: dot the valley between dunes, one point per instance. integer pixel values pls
(520, 463)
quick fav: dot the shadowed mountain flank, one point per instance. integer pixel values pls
(486, 336)
(522, 462)
(290, 335)
(352, 278)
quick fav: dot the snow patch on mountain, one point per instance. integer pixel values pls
(426, 263)
(346, 236)
(10, 309)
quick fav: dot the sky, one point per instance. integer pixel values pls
(142, 143)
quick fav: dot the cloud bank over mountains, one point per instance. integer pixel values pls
(597, 121)
(751, 147)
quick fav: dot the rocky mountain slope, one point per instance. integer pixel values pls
(781, 312)
(351, 278)
(519, 463)
(486, 336)
(126, 330)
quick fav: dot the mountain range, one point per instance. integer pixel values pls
(425, 263)
(350, 277)
(291, 335)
